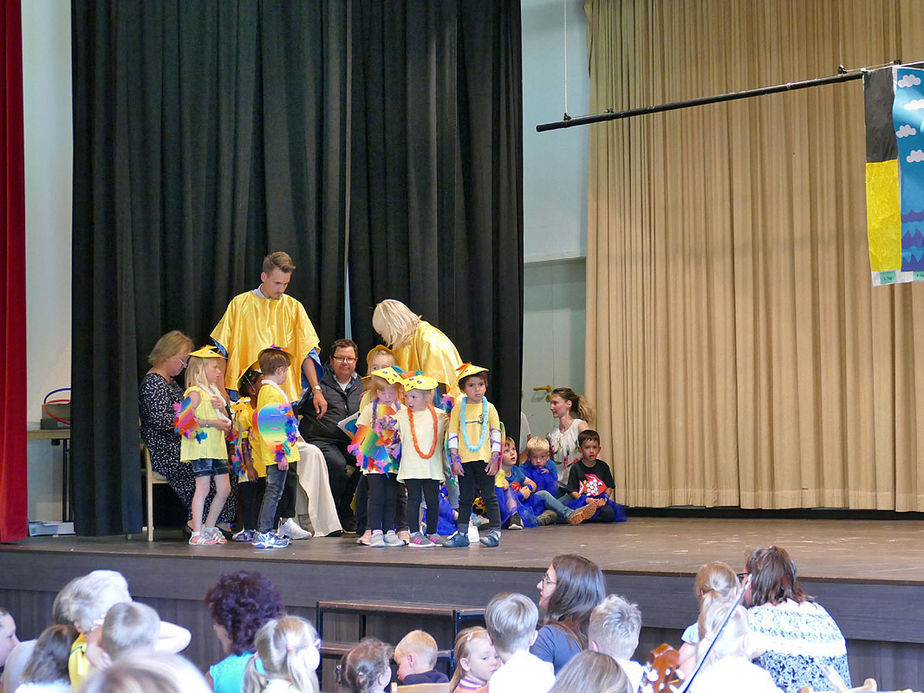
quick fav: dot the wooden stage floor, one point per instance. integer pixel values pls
(868, 573)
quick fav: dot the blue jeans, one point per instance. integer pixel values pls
(552, 503)
(275, 482)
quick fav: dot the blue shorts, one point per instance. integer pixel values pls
(208, 467)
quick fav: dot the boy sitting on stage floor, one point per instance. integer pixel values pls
(591, 481)
(542, 472)
(415, 655)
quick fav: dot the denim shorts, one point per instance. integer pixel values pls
(208, 467)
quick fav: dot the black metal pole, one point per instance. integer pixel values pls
(569, 122)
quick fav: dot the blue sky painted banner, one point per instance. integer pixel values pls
(908, 118)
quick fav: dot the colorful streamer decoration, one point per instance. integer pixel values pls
(278, 428)
(184, 422)
(369, 444)
(894, 103)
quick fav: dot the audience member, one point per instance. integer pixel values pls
(614, 627)
(728, 668)
(476, 661)
(511, 620)
(8, 639)
(92, 597)
(797, 635)
(129, 626)
(148, 672)
(366, 668)
(568, 592)
(415, 655)
(591, 671)
(46, 670)
(239, 604)
(714, 580)
(287, 650)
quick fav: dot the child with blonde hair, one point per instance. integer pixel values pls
(375, 429)
(203, 442)
(476, 661)
(716, 580)
(415, 655)
(366, 668)
(543, 503)
(287, 649)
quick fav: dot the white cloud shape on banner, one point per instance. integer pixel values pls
(905, 131)
(909, 81)
(916, 156)
(915, 105)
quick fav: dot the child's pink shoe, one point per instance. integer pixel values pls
(202, 539)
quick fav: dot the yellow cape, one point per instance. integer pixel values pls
(252, 323)
(432, 352)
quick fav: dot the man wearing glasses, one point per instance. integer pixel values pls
(342, 390)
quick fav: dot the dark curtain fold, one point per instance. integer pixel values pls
(205, 135)
(436, 177)
(13, 488)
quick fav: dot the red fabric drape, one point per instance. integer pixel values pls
(13, 493)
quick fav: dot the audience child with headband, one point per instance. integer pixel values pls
(202, 424)
(420, 431)
(476, 661)
(288, 654)
(375, 430)
(475, 424)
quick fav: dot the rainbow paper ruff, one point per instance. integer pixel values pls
(184, 423)
(369, 443)
(278, 428)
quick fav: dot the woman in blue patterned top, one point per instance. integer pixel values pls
(796, 634)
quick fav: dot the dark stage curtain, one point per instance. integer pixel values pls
(436, 177)
(206, 134)
(13, 490)
(209, 133)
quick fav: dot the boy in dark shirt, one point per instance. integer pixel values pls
(591, 481)
(416, 656)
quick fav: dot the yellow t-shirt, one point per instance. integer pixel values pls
(264, 452)
(213, 447)
(78, 665)
(473, 431)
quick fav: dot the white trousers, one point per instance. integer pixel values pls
(317, 498)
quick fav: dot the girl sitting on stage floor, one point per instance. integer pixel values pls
(590, 481)
(203, 442)
(374, 434)
(287, 649)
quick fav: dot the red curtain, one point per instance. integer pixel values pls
(13, 493)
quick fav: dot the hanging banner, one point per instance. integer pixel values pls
(894, 104)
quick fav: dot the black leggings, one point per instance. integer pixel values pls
(431, 493)
(475, 475)
(383, 490)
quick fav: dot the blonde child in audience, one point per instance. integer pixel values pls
(511, 620)
(129, 626)
(46, 670)
(714, 580)
(613, 629)
(148, 672)
(377, 419)
(475, 454)
(476, 659)
(366, 668)
(287, 649)
(91, 599)
(204, 445)
(591, 671)
(415, 655)
(420, 431)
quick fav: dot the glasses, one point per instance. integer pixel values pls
(343, 359)
(546, 580)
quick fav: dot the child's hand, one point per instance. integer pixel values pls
(492, 467)
(284, 466)
(455, 463)
(599, 502)
(222, 424)
(525, 491)
(251, 472)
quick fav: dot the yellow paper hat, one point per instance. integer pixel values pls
(467, 369)
(419, 381)
(379, 347)
(390, 374)
(207, 352)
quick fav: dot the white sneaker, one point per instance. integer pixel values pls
(291, 529)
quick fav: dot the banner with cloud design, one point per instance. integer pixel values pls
(894, 102)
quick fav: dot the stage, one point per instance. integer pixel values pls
(868, 573)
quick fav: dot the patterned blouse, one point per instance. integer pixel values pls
(798, 639)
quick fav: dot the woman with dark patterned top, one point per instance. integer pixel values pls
(157, 394)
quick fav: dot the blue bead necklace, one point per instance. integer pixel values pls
(484, 424)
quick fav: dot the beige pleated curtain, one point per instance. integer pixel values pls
(737, 353)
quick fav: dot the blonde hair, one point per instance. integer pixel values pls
(195, 372)
(511, 620)
(734, 638)
(129, 626)
(615, 624)
(278, 260)
(168, 346)
(421, 644)
(536, 445)
(590, 671)
(395, 322)
(463, 649)
(93, 595)
(580, 407)
(281, 645)
(382, 357)
(149, 672)
(374, 385)
(715, 582)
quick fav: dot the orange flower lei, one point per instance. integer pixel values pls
(410, 414)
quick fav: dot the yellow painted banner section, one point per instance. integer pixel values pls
(883, 216)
